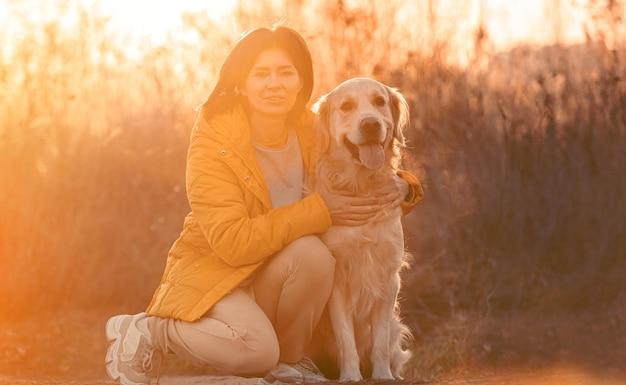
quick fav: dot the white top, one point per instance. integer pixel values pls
(283, 170)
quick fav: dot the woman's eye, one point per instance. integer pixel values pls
(259, 74)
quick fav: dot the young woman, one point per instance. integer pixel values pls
(246, 282)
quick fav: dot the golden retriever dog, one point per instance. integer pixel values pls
(360, 125)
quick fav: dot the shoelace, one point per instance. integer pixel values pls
(149, 355)
(308, 366)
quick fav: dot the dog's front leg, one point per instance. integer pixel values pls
(380, 321)
(343, 327)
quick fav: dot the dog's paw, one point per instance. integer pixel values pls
(382, 374)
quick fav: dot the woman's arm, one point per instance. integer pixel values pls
(227, 207)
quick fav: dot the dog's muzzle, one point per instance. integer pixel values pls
(369, 151)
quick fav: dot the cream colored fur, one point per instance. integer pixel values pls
(363, 308)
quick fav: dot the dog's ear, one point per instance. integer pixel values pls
(400, 113)
(321, 125)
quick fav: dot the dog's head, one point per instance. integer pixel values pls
(363, 119)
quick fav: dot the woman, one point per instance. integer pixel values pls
(246, 282)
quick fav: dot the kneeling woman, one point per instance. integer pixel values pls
(246, 282)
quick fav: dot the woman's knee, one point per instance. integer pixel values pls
(313, 257)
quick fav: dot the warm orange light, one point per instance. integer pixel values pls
(157, 20)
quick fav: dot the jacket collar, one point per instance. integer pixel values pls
(235, 127)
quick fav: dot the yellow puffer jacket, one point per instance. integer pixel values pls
(231, 229)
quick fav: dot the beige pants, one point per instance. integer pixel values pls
(255, 326)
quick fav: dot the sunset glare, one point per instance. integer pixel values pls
(158, 19)
(508, 23)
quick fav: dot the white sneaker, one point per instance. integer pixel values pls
(302, 372)
(131, 353)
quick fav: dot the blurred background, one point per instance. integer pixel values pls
(518, 134)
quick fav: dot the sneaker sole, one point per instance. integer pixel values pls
(114, 336)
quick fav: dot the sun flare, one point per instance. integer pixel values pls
(156, 20)
(507, 23)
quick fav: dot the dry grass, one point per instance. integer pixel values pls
(521, 234)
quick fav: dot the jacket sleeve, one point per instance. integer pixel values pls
(416, 192)
(236, 232)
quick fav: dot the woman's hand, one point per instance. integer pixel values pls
(394, 193)
(350, 211)
(355, 211)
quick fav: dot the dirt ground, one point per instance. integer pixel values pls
(71, 350)
(556, 376)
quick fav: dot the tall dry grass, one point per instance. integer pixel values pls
(521, 155)
(93, 149)
(525, 206)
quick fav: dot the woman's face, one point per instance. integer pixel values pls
(272, 85)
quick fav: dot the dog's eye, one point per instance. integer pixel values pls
(346, 106)
(379, 101)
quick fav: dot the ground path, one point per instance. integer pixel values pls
(72, 348)
(557, 376)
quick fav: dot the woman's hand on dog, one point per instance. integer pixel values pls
(393, 194)
(346, 210)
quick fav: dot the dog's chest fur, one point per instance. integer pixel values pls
(369, 256)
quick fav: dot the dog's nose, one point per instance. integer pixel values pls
(369, 126)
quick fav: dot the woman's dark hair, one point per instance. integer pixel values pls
(241, 59)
